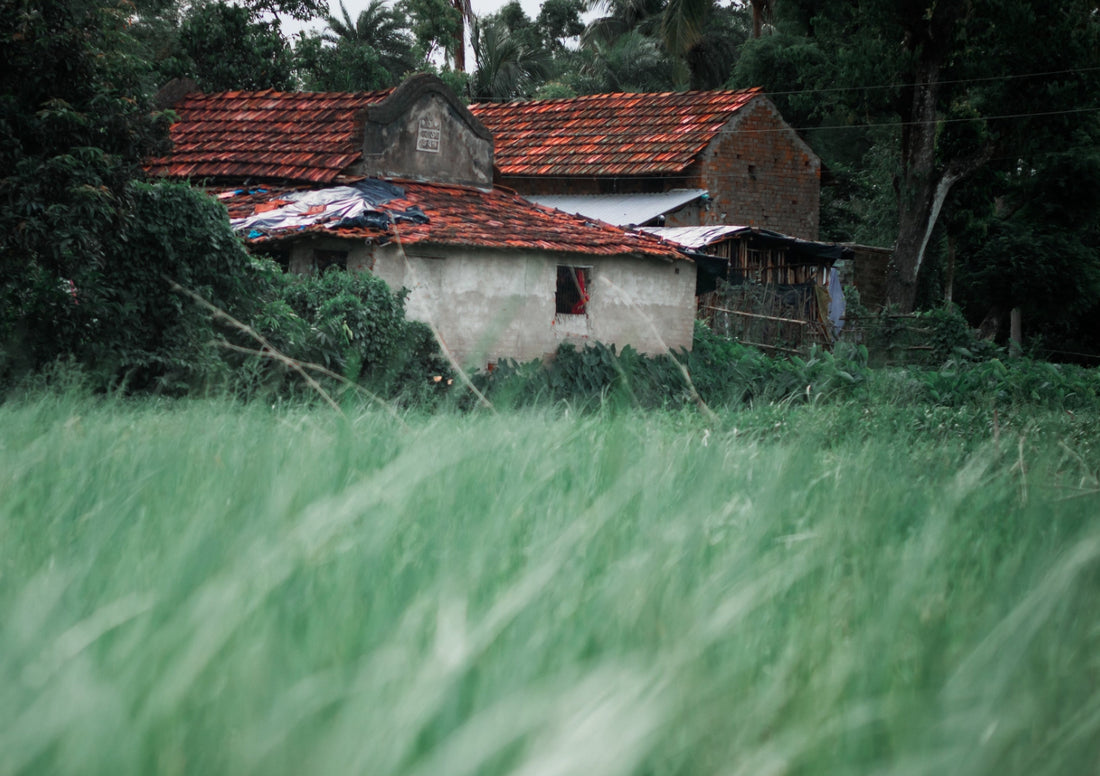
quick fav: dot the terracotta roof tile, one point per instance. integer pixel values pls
(608, 134)
(302, 136)
(469, 217)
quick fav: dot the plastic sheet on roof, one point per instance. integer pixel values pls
(461, 216)
(359, 204)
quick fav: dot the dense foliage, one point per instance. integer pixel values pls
(354, 326)
(958, 370)
(97, 266)
(74, 133)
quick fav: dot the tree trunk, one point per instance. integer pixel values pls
(760, 10)
(1015, 333)
(949, 275)
(460, 47)
(917, 188)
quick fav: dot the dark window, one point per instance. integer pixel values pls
(322, 260)
(572, 293)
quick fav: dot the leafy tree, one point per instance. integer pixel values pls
(621, 18)
(435, 25)
(220, 44)
(559, 20)
(83, 245)
(682, 23)
(379, 27)
(936, 73)
(439, 26)
(321, 67)
(71, 138)
(223, 47)
(1036, 247)
(714, 53)
(697, 40)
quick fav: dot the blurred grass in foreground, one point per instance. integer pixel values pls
(209, 588)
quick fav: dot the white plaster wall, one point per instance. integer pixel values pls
(489, 305)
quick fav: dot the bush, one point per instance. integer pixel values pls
(928, 338)
(593, 376)
(352, 324)
(723, 373)
(114, 311)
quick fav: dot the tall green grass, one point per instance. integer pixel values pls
(214, 588)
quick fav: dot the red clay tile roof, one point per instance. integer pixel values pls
(300, 136)
(607, 134)
(470, 217)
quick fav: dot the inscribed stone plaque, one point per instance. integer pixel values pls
(427, 139)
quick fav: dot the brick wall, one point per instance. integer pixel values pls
(759, 173)
(757, 170)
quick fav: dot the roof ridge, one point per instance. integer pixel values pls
(244, 94)
(606, 96)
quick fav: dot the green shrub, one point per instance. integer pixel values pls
(726, 372)
(723, 373)
(592, 376)
(927, 338)
(352, 324)
(114, 311)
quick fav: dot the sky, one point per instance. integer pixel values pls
(481, 8)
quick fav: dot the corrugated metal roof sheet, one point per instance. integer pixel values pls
(620, 209)
(697, 237)
(694, 237)
(608, 134)
(458, 216)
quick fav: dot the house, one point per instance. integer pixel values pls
(764, 288)
(400, 183)
(671, 159)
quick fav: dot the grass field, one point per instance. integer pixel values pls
(205, 587)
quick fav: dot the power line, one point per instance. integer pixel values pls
(983, 79)
(868, 125)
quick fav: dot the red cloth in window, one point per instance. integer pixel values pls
(578, 308)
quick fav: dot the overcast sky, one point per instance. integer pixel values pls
(481, 8)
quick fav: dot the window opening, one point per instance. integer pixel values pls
(323, 259)
(572, 294)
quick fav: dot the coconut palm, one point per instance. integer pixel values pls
(620, 18)
(507, 66)
(378, 27)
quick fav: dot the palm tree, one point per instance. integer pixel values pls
(377, 27)
(621, 17)
(507, 67)
(682, 24)
(633, 62)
